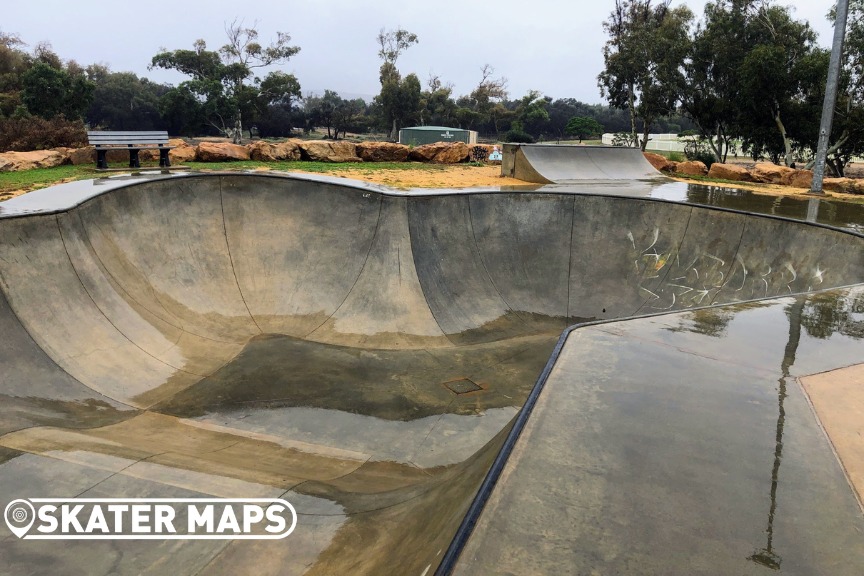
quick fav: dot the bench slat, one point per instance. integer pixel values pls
(127, 133)
(127, 138)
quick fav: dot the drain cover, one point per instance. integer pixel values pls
(462, 386)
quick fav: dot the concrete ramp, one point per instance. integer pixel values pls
(360, 352)
(561, 164)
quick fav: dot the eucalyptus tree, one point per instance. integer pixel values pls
(775, 80)
(644, 60)
(399, 100)
(223, 77)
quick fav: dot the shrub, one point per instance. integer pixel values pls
(518, 137)
(697, 149)
(676, 157)
(34, 133)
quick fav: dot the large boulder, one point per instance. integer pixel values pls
(441, 153)
(221, 152)
(327, 151)
(181, 151)
(185, 153)
(660, 162)
(17, 161)
(64, 152)
(692, 168)
(382, 152)
(798, 179)
(270, 152)
(844, 185)
(732, 172)
(81, 156)
(768, 173)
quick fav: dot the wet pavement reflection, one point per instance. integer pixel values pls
(687, 434)
(836, 213)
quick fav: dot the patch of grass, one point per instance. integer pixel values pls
(41, 177)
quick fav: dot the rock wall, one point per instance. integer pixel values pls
(762, 173)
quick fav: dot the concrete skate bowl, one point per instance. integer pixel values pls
(563, 164)
(362, 354)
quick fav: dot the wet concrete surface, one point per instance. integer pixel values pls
(682, 444)
(361, 354)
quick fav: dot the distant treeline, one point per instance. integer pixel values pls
(45, 101)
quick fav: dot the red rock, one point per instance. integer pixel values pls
(660, 162)
(221, 152)
(842, 185)
(327, 151)
(798, 179)
(441, 153)
(692, 167)
(768, 173)
(17, 161)
(382, 152)
(730, 172)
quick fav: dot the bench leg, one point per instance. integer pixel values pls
(133, 159)
(101, 162)
(164, 161)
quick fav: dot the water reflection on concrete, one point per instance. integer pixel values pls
(683, 444)
(845, 215)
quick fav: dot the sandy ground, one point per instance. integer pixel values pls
(838, 399)
(451, 176)
(465, 176)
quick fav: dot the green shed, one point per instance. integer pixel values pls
(418, 135)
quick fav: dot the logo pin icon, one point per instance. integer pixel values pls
(19, 516)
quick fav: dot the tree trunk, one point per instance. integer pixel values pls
(394, 131)
(646, 127)
(631, 104)
(787, 143)
(238, 128)
(831, 150)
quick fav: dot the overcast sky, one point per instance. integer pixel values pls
(545, 45)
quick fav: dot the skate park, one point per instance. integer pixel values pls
(576, 374)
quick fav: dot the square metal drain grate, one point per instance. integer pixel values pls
(462, 386)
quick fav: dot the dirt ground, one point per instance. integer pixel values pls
(465, 176)
(460, 176)
(451, 176)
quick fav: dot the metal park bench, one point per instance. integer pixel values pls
(132, 141)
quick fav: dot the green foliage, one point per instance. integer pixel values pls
(122, 101)
(531, 114)
(182, 112)
(518, 136)
(399, 101)
(334, 112)
(393, 43)
(623, 139)
(48, 92)
(221, 78)
(699, 148)
(583, 127)
(644, 58)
